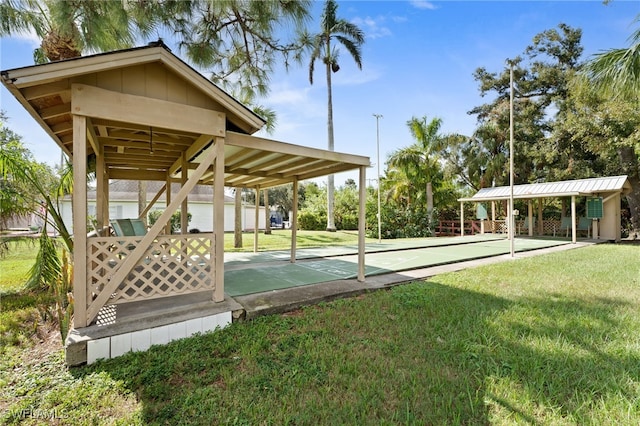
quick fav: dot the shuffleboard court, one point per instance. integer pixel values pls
(259, 277)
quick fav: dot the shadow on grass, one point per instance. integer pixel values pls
(424, 353)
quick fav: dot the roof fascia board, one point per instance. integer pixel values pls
(247, 141)
(46, 73)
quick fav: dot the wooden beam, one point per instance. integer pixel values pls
(218, 206)
(294, 221)
(129, 262)
(135, 174)
(80, 221)
(153, 201)
(95, 102)
(268, 145)
(197, 146)
(55, 111)
(91, 136)
(35, 92)
(362, 221)
(255, 156)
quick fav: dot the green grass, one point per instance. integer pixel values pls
(280, 239)
(553, 339)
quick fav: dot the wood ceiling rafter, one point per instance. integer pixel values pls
(51, 89)
(256, 156)
(112, 146)
(272, 164)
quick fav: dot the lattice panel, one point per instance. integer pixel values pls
(171, 265)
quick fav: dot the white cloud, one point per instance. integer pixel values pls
(423, 4)
(372, 27)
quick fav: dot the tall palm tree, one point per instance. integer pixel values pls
(616, 73)
(351, 38)
(419, 160)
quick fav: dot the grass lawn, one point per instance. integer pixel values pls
(280, 239)
(553, 339)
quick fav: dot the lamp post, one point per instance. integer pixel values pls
(511, 215)
(378, 117)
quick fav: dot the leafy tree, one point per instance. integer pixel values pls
(541, 81)
(610, 129)
(616, 75)
(351, 38)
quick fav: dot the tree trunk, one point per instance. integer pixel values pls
(237, 230)
(331, 227)
(429, 204)
(630, 167)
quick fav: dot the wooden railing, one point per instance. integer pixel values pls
(452, 227)
(171, 265)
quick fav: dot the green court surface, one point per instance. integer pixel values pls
(247, 273)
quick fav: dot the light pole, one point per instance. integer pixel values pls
(378, 117)
(511, 216)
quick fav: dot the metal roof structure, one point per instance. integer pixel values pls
(567, 188)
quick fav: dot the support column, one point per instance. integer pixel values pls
(218, 220)
(294, 221)
(494, 228)
(530, 217)
(256, 221)
(80, 221)
(100, 200)
(574, 232)
(362, 222)
(167, 228)
(540, 218)
(184, 207)
(461, 219)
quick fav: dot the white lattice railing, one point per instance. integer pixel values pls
(549, 227)
(171, 265)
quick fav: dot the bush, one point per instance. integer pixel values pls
(175, 219)
(312, 221)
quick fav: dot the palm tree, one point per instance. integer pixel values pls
(351, 38)
(418, 160)
(616, 73)
(67, 29)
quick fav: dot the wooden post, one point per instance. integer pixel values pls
(218, 218)
(256, 220)
(530, 217)
(362, 222)
(294, 220)
(80, 221)
(540, 218)
(184, 208)
(461, 219)
(574, 232)
(167, 228)
(100, 178)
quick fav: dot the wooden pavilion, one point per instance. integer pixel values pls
(144, 114)
(602, 223)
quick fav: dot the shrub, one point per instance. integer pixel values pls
(312, 221)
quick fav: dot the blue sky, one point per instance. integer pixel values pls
(418, 59)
